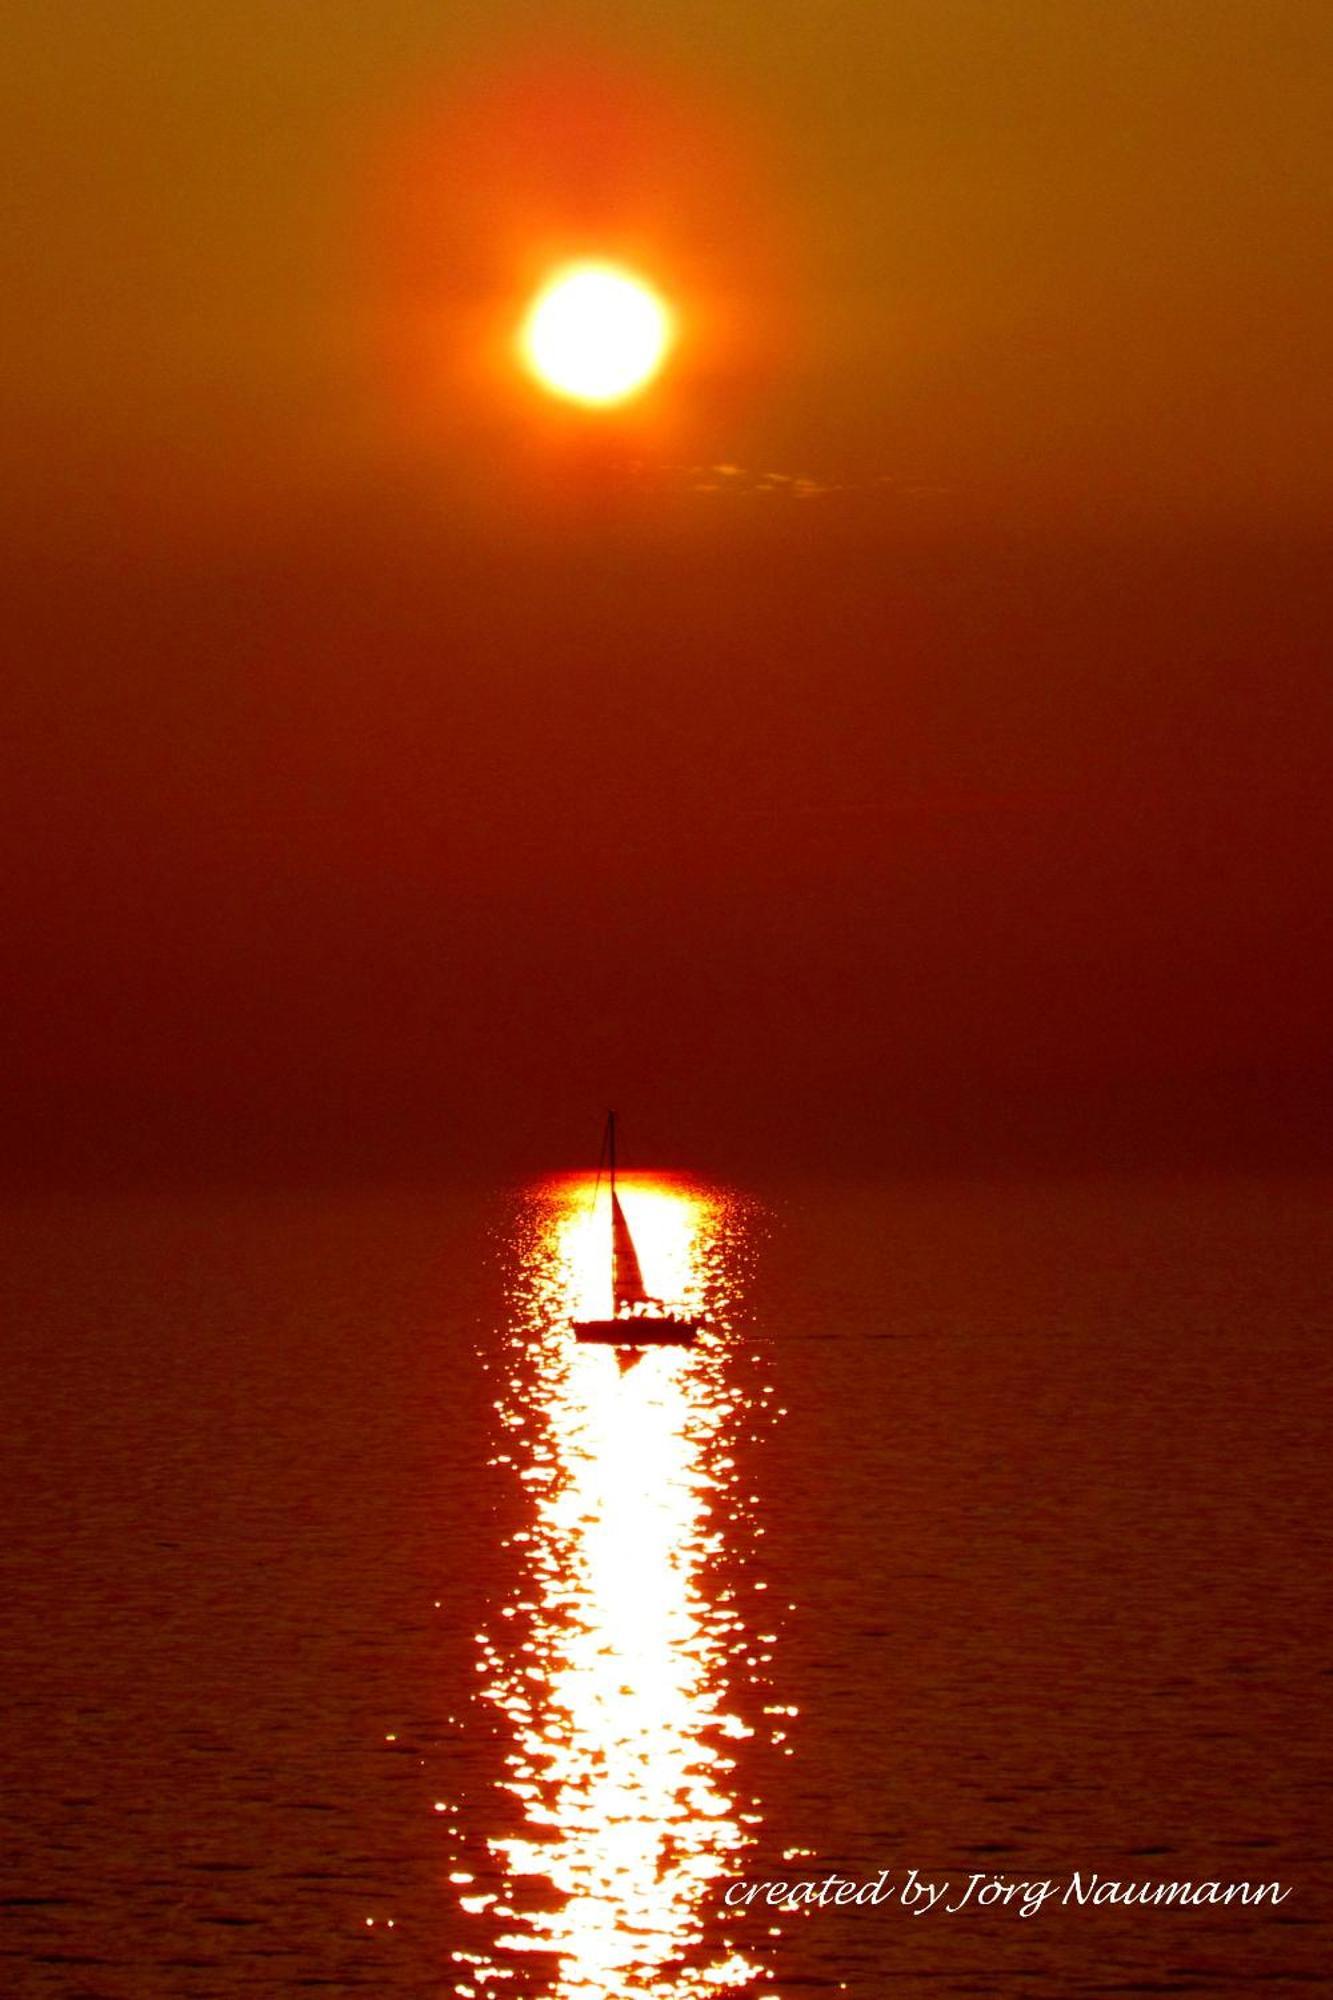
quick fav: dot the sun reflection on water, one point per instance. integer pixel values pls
(612, 1662)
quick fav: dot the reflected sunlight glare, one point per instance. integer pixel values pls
(610, 1663)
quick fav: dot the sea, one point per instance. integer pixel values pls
(363, 1633)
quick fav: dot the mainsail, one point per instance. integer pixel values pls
(627, 1284)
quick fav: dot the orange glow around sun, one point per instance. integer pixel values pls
(596, 334)
(573, 267)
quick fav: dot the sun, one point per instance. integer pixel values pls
(596, 334)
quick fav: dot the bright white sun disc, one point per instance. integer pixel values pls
(596, 334)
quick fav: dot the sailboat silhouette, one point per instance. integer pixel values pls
(638, 1319)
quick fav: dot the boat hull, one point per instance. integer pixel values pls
(666, 1332)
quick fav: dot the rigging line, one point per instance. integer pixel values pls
(601, 1161)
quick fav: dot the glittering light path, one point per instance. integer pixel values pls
(615, 1659)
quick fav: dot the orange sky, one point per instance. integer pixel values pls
(394, 747)
(1046, 255)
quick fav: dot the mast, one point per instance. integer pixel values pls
(627, 1286)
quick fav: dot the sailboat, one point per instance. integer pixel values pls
(638, 1319)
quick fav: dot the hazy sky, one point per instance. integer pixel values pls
(399, 762)
(1072, 250)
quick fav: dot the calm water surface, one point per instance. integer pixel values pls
(363, 1633)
